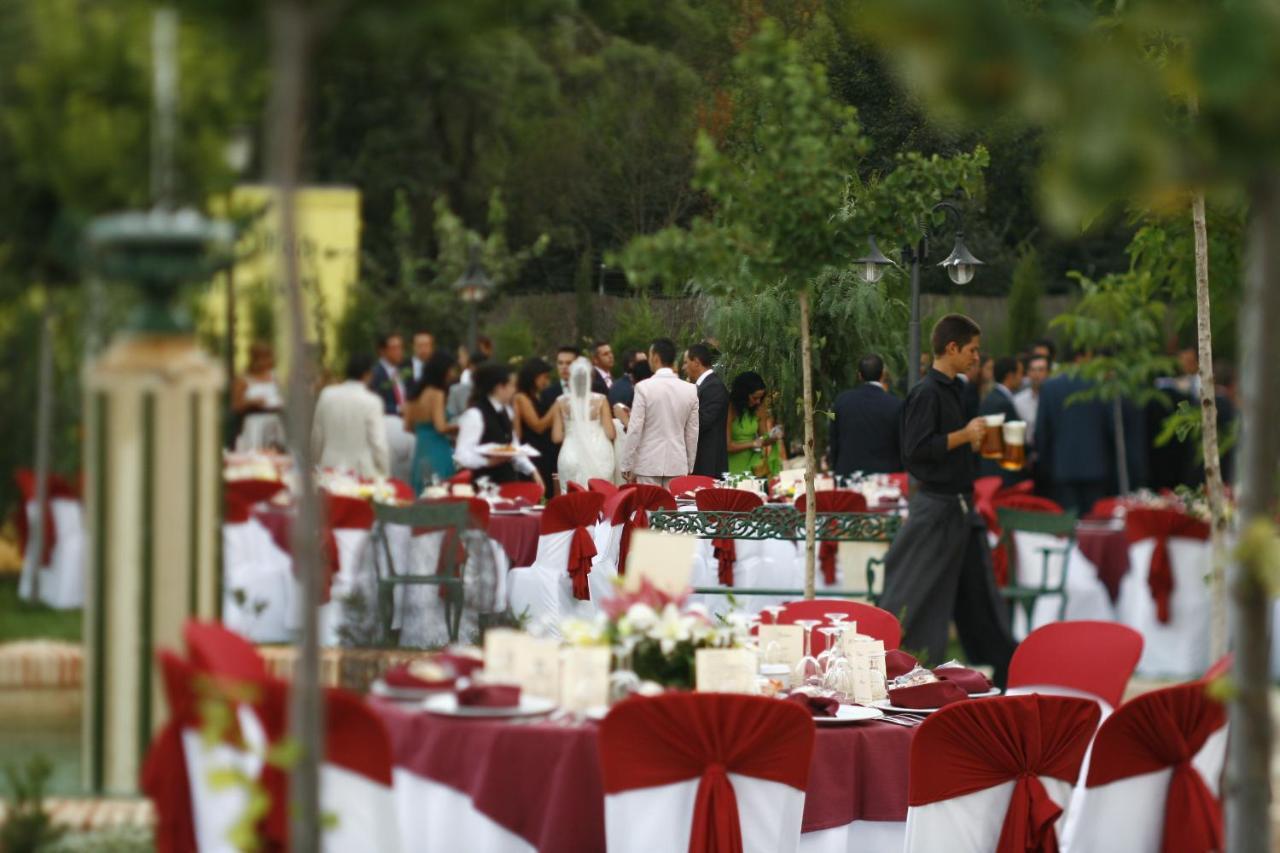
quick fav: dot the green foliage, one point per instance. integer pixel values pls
(1120, 320)
(1024, 301)
(636, 325)
(1186, 423)
(1111, 84)
(23, 620)
(1164, 247)
(28, 827)
(513, 339)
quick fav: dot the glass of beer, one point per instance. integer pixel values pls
(1015, 446)
(992, 446)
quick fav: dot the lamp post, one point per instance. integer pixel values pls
(472, 287)
(960, 265)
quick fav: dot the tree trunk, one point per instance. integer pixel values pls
(289, 31)
(1122, 451)
(44, 432)
(1248, 771)
(1209, 433)
(810, 461)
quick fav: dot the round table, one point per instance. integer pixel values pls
(540, 780)
(517, 533)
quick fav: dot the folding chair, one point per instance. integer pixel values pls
(453, 518)
(1026, 586)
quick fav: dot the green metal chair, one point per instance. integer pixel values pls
(451, 517)
(1021, 594)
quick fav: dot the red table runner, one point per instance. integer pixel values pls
(858, 773)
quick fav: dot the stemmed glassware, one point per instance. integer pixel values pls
(809, 670)
(623, 681)
(774, 611)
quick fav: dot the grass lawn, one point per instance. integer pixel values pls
(20, 620)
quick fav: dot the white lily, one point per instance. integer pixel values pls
(673, 628)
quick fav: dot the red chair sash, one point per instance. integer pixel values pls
(726, 500)
(235, 509)
(530, 493)
(631, 508)
(254, 491)
(575, 487)
(1011, 499)
(1166, 728)
(463, 476)
(575, 512)
(689, 482)
(839, 500)
(604, 487)
(1160, 525)
(1097, 658)
(56, 487)
(218, 650)
(971, 746)
(404, 492)
(669, 739)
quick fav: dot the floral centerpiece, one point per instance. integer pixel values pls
(1190, 501)
(254, 466)
(658, 633)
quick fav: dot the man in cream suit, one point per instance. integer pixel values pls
(348, 432)
(662, 434)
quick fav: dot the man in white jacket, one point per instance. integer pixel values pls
(348, 432)
(662, 433)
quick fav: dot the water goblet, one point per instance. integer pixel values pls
(809, 668)
(774, 611)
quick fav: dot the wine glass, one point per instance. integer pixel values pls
(623, 681)
(774, 611)
(832, 651)
(809, 668)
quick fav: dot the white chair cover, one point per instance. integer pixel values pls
(1087, 597)
(660, 818)
(1179, 649)
(258, 589)
(216, 809)
(861, 836)
(62, 580)
(544, 590)
(972, 823)
(365, 812)
(1129, 814)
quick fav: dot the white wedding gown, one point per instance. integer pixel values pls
(587, 452)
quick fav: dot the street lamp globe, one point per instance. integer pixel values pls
(473, 285)
(871, 267)
(961, 265)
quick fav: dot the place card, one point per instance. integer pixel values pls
(852, 558)
(824, 483)
(862, 692)
(663, 559)
(537, 663)
(500, 646)
(725, 671)
(584, 678)
(781, 643)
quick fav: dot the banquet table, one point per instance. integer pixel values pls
(518, 785)
(1105, 546)
(517, 533)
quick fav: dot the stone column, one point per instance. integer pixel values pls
(152, 495)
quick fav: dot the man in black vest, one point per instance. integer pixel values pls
(864, 435)
(488, 422)
(713, 411)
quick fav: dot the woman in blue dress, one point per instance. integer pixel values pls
(424, 414)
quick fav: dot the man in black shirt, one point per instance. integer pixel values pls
(939, 566)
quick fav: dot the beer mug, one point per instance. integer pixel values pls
(992, 447)
(1015, 446)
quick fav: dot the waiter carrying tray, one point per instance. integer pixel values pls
(939, 566)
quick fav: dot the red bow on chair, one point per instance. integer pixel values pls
(641, 520)
(726, 500)
(726, 555)
(630, 508)
(841, 500)
(582, 548)
(1161, 524)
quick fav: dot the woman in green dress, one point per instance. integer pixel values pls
(753, 442)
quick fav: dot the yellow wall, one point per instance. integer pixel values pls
(329, 252)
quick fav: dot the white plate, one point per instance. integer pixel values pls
(850, 714)
(526, 450)
(402, 694)
(994, 691)
(446, 704)
(597, 713)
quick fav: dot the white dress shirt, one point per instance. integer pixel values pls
(1026, 402)
(470, 428)
(703, 375)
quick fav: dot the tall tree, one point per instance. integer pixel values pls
(788, 215)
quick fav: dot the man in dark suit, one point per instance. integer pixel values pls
(865, 433)
(602, 368)
(387, 380)
(713, 411)
(565, 356)
(623, 389)
(1075, 443)
(1008, 379)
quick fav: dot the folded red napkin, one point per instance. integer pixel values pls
(935, 694)
(897, 662)
(399, 676)
(969, 680)
(489, 696)
(818, 706)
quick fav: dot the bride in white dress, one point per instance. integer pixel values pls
(584, 429)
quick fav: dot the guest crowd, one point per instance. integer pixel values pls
(651, 415)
